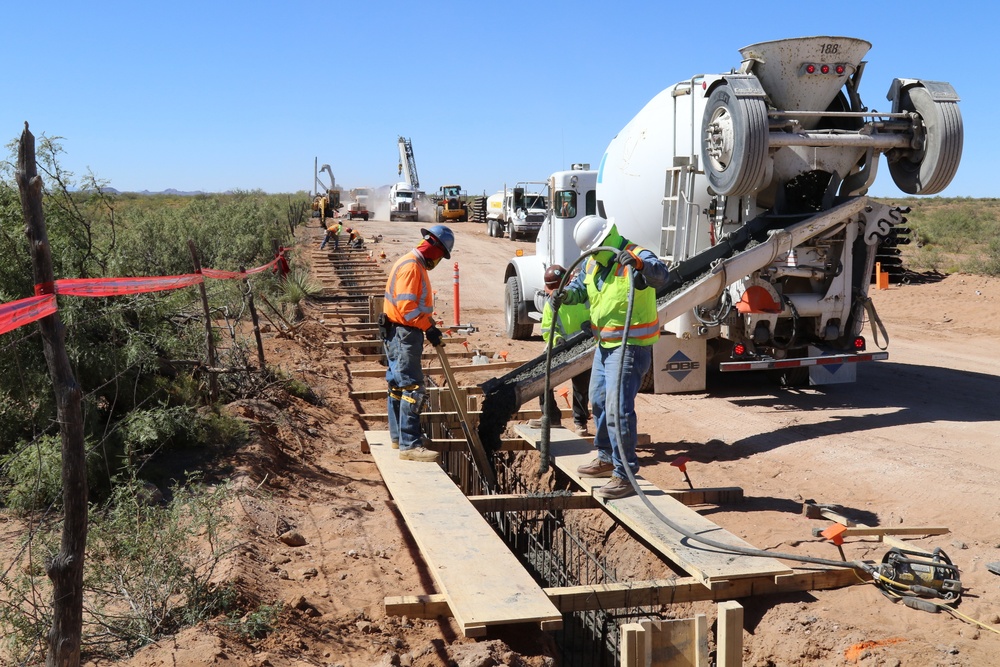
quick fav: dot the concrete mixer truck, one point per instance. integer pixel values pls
(753, 186)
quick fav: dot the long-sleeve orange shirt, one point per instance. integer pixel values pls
(408, 296)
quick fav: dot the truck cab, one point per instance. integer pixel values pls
(517, 212)
(359, 207)
(571, 195)
(402, 202)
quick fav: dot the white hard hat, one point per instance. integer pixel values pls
(591, 230)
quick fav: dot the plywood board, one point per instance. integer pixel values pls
(483, 581)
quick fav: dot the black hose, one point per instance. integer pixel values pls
(730, 548)
(545, 439)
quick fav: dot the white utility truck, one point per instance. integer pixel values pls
(516, 212)
(752, 185)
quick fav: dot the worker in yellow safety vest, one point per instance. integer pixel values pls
(408, 316)
(619, 365)
(570, 320)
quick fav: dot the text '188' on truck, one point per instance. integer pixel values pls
(753, 186)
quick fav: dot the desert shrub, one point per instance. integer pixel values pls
(149, 570)
(33, 474)
(296, 288)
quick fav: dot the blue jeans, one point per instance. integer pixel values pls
(406, 385)
(618, 414)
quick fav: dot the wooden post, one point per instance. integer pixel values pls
(256, 322)
(66, 569)
(213, 380)
(729, 635)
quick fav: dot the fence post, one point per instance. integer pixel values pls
(213, 380)
(66, 569)
(253, 318)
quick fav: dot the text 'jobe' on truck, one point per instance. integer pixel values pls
(753, 186)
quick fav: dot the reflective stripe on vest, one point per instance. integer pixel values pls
(609, 305)
(414, 305)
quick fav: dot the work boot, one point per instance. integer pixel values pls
(419, 454)
(580, 429)
(596, 468)
(616, 488)
(395, 444)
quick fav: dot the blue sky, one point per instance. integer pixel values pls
(219, 95)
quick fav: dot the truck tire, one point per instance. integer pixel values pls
(512, 300)
(438, 214)
(646, 384)
(365, 217)
(930, 170)
(734, 147)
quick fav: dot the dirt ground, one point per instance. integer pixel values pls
(909, 444)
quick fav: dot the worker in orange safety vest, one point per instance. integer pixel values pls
(407, 316)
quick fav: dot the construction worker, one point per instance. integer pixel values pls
(407, 318)
(569, 320)
(356, 241)
(604, 282)
(332, 233)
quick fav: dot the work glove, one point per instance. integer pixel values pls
(629, 258)
(434, 336)
(557, 298)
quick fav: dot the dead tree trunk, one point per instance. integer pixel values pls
(66, 570)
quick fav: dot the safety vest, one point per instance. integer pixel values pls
(609, 305)
(408, 297)
(571, 317)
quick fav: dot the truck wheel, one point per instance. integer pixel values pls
(929, 171)
(735, 143)
(365, 218)
(513, 233)
(646, 384)
(512, 301)
(438, 214)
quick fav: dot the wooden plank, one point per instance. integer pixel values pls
(858, 531)
(729, 635)
(681, 642)
(437, 370)
(633, 639)
(417, 606)
(483, 581)
(531, 413)
(656, 592)
(707, 563)
(374, 394)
